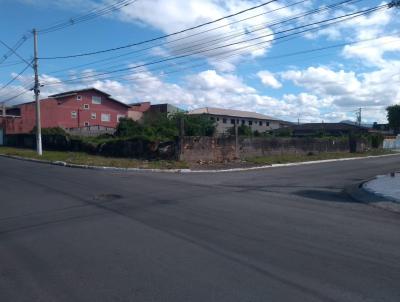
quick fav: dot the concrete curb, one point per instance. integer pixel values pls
(359, 194)
(103, 168)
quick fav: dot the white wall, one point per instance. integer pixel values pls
(255, 123)
(392, 143)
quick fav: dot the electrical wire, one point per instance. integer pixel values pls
(160, 37)
(352, 15)
(240, 33)
(15, 77)
(95, 13)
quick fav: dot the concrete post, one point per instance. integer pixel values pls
(236, 139)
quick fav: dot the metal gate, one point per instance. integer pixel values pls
(1, 137)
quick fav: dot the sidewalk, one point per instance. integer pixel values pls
(385, 186)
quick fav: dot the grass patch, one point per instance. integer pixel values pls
(293, 158)
(81, 158)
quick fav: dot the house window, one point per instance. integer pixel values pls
(94, 115)
(243, 122)
(217, 119)
(78, 97)
(267, 124)
(250, 123)
(120, 116)
(74, 114)
(232, 121)
(96, 100)
(260, 123)
(86, 124)
(224, 120)
(105, 117)
(86, 106)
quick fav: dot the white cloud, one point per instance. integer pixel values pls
(268, 79)
(343, 90)
(372, 52)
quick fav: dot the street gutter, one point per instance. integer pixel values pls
(116, 169)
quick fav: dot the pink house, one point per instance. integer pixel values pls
(68, 110)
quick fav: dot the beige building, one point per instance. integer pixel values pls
(226, 118)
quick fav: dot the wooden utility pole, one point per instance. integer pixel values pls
(36, 90)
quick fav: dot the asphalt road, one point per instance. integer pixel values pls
(280, 234)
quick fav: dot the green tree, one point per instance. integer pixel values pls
(195, 125)
(243, 130)
(393, 116)
(128, 127)
(199, 126)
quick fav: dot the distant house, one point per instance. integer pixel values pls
(139, 109)
(226, 119)
(70, 110)
(166, 108)
(330, 129)
(382, 128)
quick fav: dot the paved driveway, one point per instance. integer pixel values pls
(280, 234)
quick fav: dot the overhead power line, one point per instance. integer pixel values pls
(15, 77)
(248, 31)
(350, 16)
(160, 37)
(138, 77)
(12, 50)
(70, 22)
(95, 13)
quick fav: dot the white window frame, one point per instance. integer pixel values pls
(79, 98)
(86, 106)
(96, 100)
(106, 120)
(93, 115)
(74, 114)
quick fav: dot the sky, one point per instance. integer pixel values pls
(268, 59)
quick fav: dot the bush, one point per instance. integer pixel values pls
(51, 131)
(128, 127)
(283, 132)
(376, 140)
(243, 130)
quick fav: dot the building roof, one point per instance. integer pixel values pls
(231, 112)
(326, 126)
(74, 92)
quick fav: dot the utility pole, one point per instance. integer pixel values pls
(359, 116)
(36, 90)
(236, 138)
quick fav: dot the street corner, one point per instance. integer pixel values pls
(386, 186)
(382, 191)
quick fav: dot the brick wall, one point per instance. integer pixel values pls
(219, 149)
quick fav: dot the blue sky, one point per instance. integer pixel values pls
(269, 78)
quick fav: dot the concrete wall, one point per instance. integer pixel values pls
(91, 131)
(219, 149)
(393, 144)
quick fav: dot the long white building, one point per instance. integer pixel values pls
(226, 118)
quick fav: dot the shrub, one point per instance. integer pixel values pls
(128, 127)
(243, 130)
